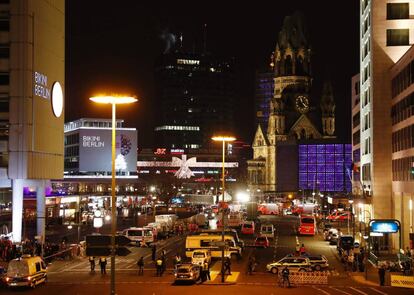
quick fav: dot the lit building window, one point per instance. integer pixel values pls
(175, 127)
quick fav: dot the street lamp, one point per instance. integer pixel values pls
(113, 100)
(223, 139)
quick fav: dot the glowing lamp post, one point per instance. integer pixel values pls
(223, 139)
(113, 100)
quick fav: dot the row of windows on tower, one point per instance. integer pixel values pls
(403, 139)
(403, 110)
(403, 80)
(401, 169)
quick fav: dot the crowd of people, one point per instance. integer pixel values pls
(9, 251)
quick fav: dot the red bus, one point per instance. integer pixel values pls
(307, 225)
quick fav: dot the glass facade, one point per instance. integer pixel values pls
(325, 167)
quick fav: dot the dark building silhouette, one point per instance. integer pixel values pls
(195, 96)
(264, 86)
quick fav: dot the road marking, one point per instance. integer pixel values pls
(321, 290)
(378, 291)
(214, 274)
(340, 291)
(233, 277)
(359, 291)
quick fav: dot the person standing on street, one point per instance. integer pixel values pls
(381, 274)
(302, 249)
(164, 262)
(158, 265)
(92, 262)
(177, 260)
(207, 270)
(285, 276)
(227, 266)
(140, 264)
(102, 263)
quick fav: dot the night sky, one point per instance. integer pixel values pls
(111, 47)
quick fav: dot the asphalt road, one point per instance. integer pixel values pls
(75, 277)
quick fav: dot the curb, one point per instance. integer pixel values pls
(219, 284)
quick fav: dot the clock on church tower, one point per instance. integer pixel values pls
(302, 104)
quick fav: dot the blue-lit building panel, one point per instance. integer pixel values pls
(324, 167)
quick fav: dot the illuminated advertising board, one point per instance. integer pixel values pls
(95, 150)
(384, 226)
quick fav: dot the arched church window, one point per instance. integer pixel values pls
(303, 134)
(300, 71)
(288, 65)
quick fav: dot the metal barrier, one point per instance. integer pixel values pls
(67, 253)
(402, 281)
(309, 278)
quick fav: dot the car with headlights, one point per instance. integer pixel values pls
(187, 272)
(292, 263)
(201, 256)
(332, 236)
(318, 262)
(326, 228)
(26, 271)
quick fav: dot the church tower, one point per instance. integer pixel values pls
(328, 110)
(292, 67)
(291, 113)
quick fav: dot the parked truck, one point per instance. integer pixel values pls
(268, 209)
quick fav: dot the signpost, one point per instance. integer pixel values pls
(100, 245)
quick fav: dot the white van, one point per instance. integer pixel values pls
(26, 271)
(267, 230)
(212, 243)
(139, 235)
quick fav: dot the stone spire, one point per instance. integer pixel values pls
(328, 109)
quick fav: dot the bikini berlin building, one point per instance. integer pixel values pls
(32, 83)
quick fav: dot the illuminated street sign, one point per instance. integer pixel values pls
(384, 226)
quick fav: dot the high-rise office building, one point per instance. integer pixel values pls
(386, 34)
(32, 76)
(195, 95)
(402, 120)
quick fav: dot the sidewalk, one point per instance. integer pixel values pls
(372, 276)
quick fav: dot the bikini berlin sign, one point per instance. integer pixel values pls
(95, 150)
(53, 92)
(41, 87)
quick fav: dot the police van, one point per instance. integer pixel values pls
(212, 243)
(139, 235)
(26, 271)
